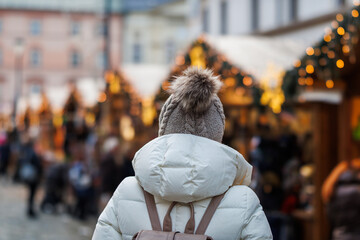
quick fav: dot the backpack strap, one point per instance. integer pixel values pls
(190, 226)
(153, 214)
(205, 220)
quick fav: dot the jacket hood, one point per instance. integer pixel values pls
(187, 168)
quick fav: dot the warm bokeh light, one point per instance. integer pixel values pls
(309, 81)
(329, 83)
(247, 81)
(334, 24)
(302, 72)
(354, 13)
(340, 63)
(327, 38)
(339, 17)
(301, 81)
(310, 69)
(331, 54)
(341, 31)
(102, 97)
(310, 51)
(230, 82)
(297, 63)
(346, 49)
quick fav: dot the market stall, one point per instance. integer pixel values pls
(327, 79)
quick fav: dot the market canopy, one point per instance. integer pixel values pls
(145, 78)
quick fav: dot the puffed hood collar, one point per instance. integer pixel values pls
(187, 168)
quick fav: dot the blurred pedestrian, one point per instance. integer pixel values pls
(81, 181)
(55, 186)
(5, 153)
(109, 170)
(30, 171)
(341, 194)
(187, 164)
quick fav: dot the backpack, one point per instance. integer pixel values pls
(167, 233)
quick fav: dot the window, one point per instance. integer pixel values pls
(35, 27)
(101, 29)
(205, 20)
(255, 14)
(75, 28)
(223, 16)
(35, 58)
(137, 53)
(101, 60)
(341, 3)
(279, 12)
(293, 10)
(75, 59)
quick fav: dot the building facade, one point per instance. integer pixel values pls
(46, 44)
(234, 17)
(154, 35)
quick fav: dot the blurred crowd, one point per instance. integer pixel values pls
(80, 184)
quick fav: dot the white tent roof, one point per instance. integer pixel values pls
(253, 54)
(145, 78)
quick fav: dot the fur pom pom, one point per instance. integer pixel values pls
(195, 89)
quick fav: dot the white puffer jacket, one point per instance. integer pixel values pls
(186, 168)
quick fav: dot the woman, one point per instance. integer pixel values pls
(187, 163)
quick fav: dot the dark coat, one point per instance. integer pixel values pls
(344, 206)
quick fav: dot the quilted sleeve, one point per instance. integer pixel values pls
(107, 227)
(256, 224)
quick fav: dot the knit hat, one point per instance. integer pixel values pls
(193, 106)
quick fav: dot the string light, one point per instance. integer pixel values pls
(301, 81)
(247, 81)
(324, 49)
(310, 51)
(317, 51)
(354, 13)
(102, 97)
(230, 82)
(340, 63)
(309, 81)
(339, 17)
(341, 31)
(346, 49)
(334, 24)
(302, 72)
(310, 69)
(327, 38)
(331, 54)
(297, 63)
(329, 83)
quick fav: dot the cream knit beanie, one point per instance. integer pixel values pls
(193, 106)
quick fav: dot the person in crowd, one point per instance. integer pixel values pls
(341, 194)
(55, 186)
(188, 164)
(109, 170)
(5, 153)
(30, 171)
(80, 181)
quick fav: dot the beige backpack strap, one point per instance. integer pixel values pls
(205, 220)
(153, 214)
(190, 226)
